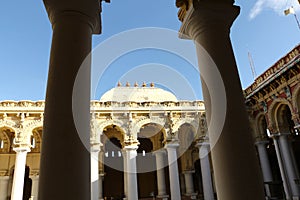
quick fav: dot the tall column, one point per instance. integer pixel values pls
(160, 173)
(265, 164)
(289, 165)
(65, 162)
(35, 187)
(125, 173)
(131, 153)
(173, 170)
(282, 169)
(189, 184)
(19, 172)
(4, 180)
(205, 170)
(236, 166)
(101, 177)
(95, 148)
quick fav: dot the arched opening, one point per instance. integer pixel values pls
(276, 187)
(287, 125)
(113, 183)
(151, 138)
(186, 136)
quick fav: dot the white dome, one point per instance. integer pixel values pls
(138, 94)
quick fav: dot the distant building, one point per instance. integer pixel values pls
(152, 115)
(143, 129)
(273, 102)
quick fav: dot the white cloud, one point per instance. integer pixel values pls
(276, 5)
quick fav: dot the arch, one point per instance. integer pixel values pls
(272, 112)
(284, 120)
(260, 125)
(112, 131)
(194, 122)
(112, 122)
(156, 134)
(140, 123)
(7, 140)
(8, 123)
(37, 135)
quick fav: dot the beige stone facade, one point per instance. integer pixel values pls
(148, 118)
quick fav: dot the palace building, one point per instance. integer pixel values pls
(166, 129)
(273, 103)
(146, 143)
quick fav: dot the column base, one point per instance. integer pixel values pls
(296, 198)
(191, 195)
(163, 197)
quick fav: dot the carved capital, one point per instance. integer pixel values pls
(88, 9)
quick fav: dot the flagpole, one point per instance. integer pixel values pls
(297, 20)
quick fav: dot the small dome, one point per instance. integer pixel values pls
(138, 94)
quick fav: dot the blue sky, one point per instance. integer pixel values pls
(25, 41)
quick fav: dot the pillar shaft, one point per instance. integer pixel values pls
(289, 164)
(4, 180)
(233, 153)
(19, 173)
(95, 174)
(189, 183)
(264, 161)
(265, 164)
(125, 173)
(65, 162)
(205, 171)
(34, 189)
(160, 173)
(132, 189)
(173, 171)
(282, 169)
(101, 177)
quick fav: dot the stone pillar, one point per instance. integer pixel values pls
(125, 173)
(205, 170)
(35, 187)
(236, 166)
(189, 184)
(282, 169)
(95, 148)
(65, 162)
(291, 170)
(4, 180)
(131, 153)
(19, 172)
(160, 173)
(101, 177)
(173, 170)
(265, 164)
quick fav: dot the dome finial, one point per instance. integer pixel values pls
(152, 84)
(144, 84)
(136, 84)
(127, 84)
(119, 84)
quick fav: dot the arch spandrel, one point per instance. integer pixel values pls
(296, 100)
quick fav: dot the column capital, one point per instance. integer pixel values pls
(19, 148)
(159, 152)
(172, 145)
(277, 135)
(261, 139)
(188, 172)
(88, 9)
(130, 143)
(200, 16)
